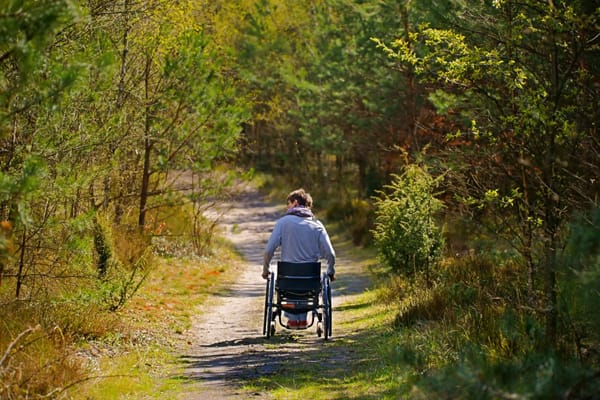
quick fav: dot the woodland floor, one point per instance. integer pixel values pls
(228, 348)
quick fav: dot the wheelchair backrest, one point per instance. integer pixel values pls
(299, 277)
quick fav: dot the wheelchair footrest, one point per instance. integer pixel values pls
(291, 306)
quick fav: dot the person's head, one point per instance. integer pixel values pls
(299, 197)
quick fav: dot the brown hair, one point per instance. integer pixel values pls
(304, 199)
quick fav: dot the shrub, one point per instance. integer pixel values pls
(123, 259)
(538, 376)
(580, 287)
(405, 230)
(32, 365)
(38, 360)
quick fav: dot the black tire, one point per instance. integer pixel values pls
(326, 296)
(266, 313)
(269, 321)
(330, 307)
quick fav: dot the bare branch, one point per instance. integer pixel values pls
(14, 342)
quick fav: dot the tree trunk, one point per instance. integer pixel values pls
(550, 291)
(147, 149)
(411, 127)
(551, 199)
(121, 95)
(21, 263)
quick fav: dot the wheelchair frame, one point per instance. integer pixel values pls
(299, 288)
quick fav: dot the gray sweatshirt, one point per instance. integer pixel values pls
(302, 239)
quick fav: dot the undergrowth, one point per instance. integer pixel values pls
(106, 333)
(469, 335)
(466, 332)
(158, 320)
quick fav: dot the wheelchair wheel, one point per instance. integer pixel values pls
(326, 307)
(330, 306)
(266, 313)
(269, 322)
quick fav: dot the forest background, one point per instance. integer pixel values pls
(458, 138)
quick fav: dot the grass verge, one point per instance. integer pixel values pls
(357, 364)
(138, 360)
(402, 340)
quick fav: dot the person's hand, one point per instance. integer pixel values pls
(265, 275)
(331, 277)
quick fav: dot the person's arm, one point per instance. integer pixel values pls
(272, 244)
(328, 253)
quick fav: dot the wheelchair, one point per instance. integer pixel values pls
(298, 289)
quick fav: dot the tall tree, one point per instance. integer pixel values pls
(523, 75)
(192, 113)
(324, 95)
(31, 80)
(146, 95)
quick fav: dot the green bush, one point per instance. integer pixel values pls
(579, 286)
(124, 257)
(405, 232)
(476, 315)
(538, 376)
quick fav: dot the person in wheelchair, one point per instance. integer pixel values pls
(302, 239)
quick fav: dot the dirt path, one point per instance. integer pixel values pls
(229, 347)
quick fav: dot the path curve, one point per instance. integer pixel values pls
(228, 346)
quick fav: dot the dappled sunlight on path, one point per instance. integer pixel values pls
(229, 347)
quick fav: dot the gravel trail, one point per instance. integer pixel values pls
(228, 346)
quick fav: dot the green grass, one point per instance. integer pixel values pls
(140, 361)
(357, 365)
(132, 375)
